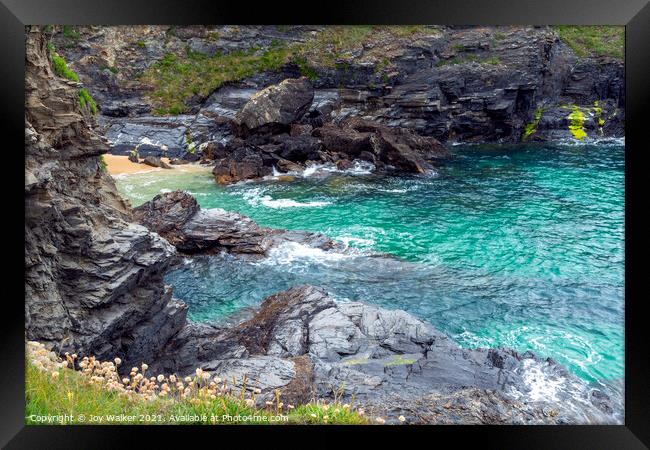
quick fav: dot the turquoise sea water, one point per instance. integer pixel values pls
(515, 246)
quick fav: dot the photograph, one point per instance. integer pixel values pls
(324, 224)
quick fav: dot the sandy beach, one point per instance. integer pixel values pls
(119, 164)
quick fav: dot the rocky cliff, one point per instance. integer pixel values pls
(167, 88)
(93, 279)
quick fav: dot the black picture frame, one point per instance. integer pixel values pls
(634, 14)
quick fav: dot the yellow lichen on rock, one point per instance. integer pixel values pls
(576, 123)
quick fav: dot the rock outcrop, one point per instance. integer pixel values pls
(93, 279)
(307, 345)
(388, 149)
(178, 218)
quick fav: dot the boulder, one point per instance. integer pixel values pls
(213, 150)
(347, 140)
(242, 166)
(155, 161)
(395, 153)
(178, 218)
(297, 148)
(300, 129)
(427, 147)
(276, 107)
(166, 214)
(284, 165)
(178, 162)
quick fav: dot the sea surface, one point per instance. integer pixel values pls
(514, 246)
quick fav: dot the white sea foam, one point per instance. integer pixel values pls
(358, 168)
(359, 242)
(545, 385)
(256, 197)
(288, 203)
(605, 142)
(290, 253)
(542, 386)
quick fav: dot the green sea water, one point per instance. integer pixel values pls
(514, 246)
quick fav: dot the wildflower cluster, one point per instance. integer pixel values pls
(197, 389)
(199, 393)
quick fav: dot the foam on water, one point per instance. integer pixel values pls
(290, 253)
(520, 246)
(257, 197)
(358, 168)
(547, 384)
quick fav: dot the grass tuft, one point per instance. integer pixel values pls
(531, 127)
(86, 100)
(592, 40)
(60, 66)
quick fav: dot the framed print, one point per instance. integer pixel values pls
(403, 218)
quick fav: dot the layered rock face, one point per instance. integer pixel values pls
(93, 279)
(465, 84)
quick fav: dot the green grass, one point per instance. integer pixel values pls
(306, 69)
(592, 40)
(61, 67)
(531, 127)
(69, 32)
(176, 78)
(85, 100)
(75, 395)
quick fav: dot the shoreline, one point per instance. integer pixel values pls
(120, 165)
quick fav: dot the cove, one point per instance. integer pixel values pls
(514, 246)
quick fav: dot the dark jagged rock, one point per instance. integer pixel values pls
(276, 107)
(246, 163)
(93, 280)
(178, 217)
(298, 148)
(343, 140)
(301, 340)
(178, 162)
